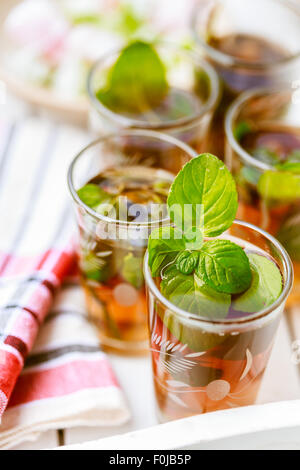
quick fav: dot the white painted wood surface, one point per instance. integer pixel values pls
(281, 383)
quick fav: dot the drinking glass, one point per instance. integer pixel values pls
(201, 364)
(111, 251)
(276, 110)
(186, 111)
(268, 55)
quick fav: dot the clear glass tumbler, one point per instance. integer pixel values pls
(201, 365)
(187, 109)
(262, 130)
(251, 43)
(111, 249)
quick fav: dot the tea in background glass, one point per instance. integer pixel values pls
(251, 43)
(120, 184)
(263, 153)
(154, 86)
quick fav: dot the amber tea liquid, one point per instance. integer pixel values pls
(279, 217)
(111, 264)
(236, 79)
(199, 368)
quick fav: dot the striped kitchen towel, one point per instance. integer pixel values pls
(35, 256)
(67, 380)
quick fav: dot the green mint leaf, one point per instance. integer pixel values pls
(292, 167)
(266, 286)
(205, 183)
(132, 270)
(294, 156)
(250, 175)
(95, 268)
(242, 129)
(279, 185)
(266, 156)
(163, 247)
(193, 239)
(137, 81)
(224, 266)
(190, 294)
(187, 261)
(92, 195)
(177, 105)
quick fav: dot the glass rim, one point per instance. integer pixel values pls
(229, 60)
(231, 114)
(123, 133)
(262, 314)
(128, 122)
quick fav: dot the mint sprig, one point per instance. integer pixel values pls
(92, 195)
(200, 277)
(132, 270)
(190, 294)
(164, 245)
(136, 82)
(242, 129)
(281, 184)
(187, 261)
(266, 286)
(206, 186)
(224, 266)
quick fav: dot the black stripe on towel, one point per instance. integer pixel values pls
(46, 356)
(21, 307)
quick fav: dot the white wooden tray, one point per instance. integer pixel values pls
(275, 423)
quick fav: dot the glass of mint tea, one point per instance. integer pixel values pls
(251, 43)
(263, 153)
(120, 185)
(156, 87)
(216, 289)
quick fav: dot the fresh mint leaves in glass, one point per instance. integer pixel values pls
(263, 152)
(216, 290)
(154, 86)
(251, 43)
(119, 186)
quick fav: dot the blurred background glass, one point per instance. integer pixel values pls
(263, 153)
(251, 43)
(135, 168)
(185, 111)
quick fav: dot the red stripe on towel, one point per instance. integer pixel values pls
(10, 368)
(22, 330)
(62, 380)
